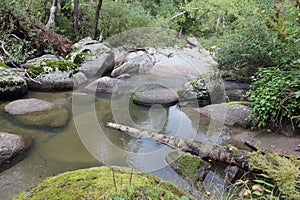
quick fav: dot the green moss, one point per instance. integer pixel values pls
(245, 103)
(79, 57)
(9, 78)
(185, 164)
(212, 76)
(285, 172)
(135, 99)
(180, 89)
(3, 65)
(102, 183)
(39, 68)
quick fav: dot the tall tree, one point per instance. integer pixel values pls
(75, 15)
(97, 15)
(52, 20)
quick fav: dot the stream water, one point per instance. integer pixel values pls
(86, 142)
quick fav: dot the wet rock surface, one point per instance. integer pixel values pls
(10, 146)
(155, 94)
(35, 112)
(104, 85)
(233, 115)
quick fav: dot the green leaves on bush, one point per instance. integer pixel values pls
(275, 97)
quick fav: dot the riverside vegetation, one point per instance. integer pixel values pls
(257, 39)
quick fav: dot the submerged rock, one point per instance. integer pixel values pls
(234, 115)
(104, 85)
(36, 112)
(138, 64)
(102, 183)
(10, 146)
(192, 168)
(155, 94)
(11, 84)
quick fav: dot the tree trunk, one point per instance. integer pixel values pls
(219, 153)
(52, 20)
(97, 15)
(75, 16)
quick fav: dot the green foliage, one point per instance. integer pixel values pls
(275, 96)
(285, 172)
(9, 78)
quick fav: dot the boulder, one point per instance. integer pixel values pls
(236, 90)
(45, 57)
(94, 59)
(155, 94)
(49, 75)
(233, 115)
(36, 112)
(202, 91)
(79, 79)
(11, 84)
(184, 63)
(104, 85)
(192, 168)
(83, 42)
(138, 64)
(102, 183)
(10, 146)
(192, 40)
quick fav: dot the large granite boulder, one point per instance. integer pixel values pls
(138, 64)
(155, 94)
(36, 112)
(104, 85)
(11, 84)
(10, 146)
(183, 63)
(204, 90)
(233, 115)
(94, 58)
(51, 75)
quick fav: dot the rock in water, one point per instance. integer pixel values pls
(10, 146)
(233, 115)
(155, 94)
(204, 90)
(95, 59)
(36, 112)
(104, 85)
(11, 84)
(51, 75)
(139, 64)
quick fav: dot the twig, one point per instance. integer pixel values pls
(114, 179)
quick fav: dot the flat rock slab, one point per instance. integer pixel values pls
(10, 146)
(233, 115)
(155, 95)
(36, 112)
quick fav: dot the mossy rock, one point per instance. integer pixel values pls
(103, 183)
(11, 84)
(192, 168)
(52, 75)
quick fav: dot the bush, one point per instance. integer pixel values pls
(275, 96)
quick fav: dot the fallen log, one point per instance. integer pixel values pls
(229, 155)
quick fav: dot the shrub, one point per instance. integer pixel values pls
(275, 96)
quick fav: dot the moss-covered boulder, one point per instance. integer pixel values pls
(192, 168)
(51, 75)
(103, 183)
(93, 58)
(36, 112)
(11, 84)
